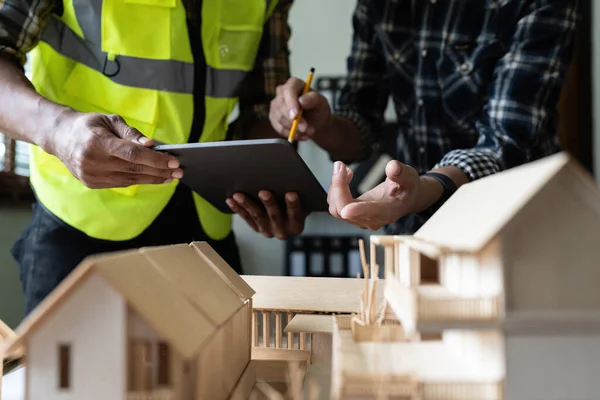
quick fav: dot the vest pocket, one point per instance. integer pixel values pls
(237, 46)
(137, 28)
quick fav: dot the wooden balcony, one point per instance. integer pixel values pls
(279, 298)
(433, 307)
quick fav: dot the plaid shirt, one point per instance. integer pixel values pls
(22, 21)
(475, 83)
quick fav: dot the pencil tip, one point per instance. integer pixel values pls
(312, 70)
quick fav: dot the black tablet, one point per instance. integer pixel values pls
(217, 170)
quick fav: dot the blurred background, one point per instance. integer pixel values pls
(321, 34)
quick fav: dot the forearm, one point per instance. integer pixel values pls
(25, 115)
(341, 138)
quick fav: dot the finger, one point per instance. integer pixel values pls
(138, 154)
(285, 121)
(126, 132)
(311, 100)
(291, 92)
(273, 213)
(349, 174)
(275, 118)
(239, 210)
(119, 165)
(122, 179)
(295, 215)
(279, 129)
(305, 128)
(276, 123)
(256, 213)
(340, 191)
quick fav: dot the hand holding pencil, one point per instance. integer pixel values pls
(297, 113)
(305, 90)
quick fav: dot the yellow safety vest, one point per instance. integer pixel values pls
(146, 42)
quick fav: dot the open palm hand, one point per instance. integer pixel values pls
(384, 204)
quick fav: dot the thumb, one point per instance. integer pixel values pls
(129, 133)
(399, 173)
(339, 191)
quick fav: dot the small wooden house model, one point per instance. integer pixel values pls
(163, 323)
(519, 264)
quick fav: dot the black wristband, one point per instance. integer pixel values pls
(449, 189)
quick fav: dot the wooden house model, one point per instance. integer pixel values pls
(517, 303)
(162, 323)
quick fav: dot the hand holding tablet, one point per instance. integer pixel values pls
(218, 170)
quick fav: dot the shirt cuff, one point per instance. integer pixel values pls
(475, 163)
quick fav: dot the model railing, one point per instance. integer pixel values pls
(268, 331)
(479, 391)
(467, 309)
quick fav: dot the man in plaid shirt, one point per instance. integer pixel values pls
(475, 85)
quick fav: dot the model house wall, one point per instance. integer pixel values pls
(91, 322)
(556, 234)
(473, 274)
(552, 367)
(482, 348)
(224, 357)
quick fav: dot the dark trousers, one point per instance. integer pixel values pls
(49, 249)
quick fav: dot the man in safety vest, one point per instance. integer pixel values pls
(110, 79)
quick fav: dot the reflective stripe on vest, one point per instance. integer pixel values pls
(93, 59)
(175, 76)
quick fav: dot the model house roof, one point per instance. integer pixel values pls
(308, 294)
(184, 292)
(479, 210)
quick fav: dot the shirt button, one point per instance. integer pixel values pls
(424, 52)
(465, 67)
(420, 102)
(398, 57)
(421, 149)
(433, 1)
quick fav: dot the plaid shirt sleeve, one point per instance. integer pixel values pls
(21, 24)
(271, 69)
(365, 96)
(528, 80)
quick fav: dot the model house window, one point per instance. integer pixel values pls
(149, 365)
(64, 366)
(140, 365)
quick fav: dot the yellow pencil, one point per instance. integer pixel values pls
(299, 115)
